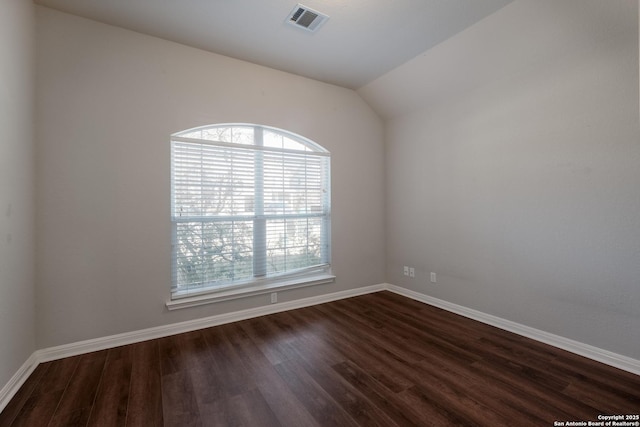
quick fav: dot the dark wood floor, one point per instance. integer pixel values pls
(374, 360)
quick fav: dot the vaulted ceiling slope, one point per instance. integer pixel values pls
(361, 41)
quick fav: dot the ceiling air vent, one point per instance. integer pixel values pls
(306, 18)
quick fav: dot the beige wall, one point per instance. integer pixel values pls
(513, 169)
(17, 319)
(511, 164)
(108, 99)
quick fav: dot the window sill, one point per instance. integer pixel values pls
(257, 289)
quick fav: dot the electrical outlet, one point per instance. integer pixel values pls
(433, 277)
(406, 270)
(274, 297)
(412, 272)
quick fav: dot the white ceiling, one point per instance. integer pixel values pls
(362, 40)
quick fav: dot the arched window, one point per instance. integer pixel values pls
(250, 210)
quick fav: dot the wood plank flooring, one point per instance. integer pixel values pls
(374, 360)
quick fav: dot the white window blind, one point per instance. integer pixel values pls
(249, 203)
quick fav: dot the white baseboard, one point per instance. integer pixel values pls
(88, 346)
(17, 380)
(82, 347)
(609, 358)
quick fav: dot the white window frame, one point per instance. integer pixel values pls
(260, 282)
